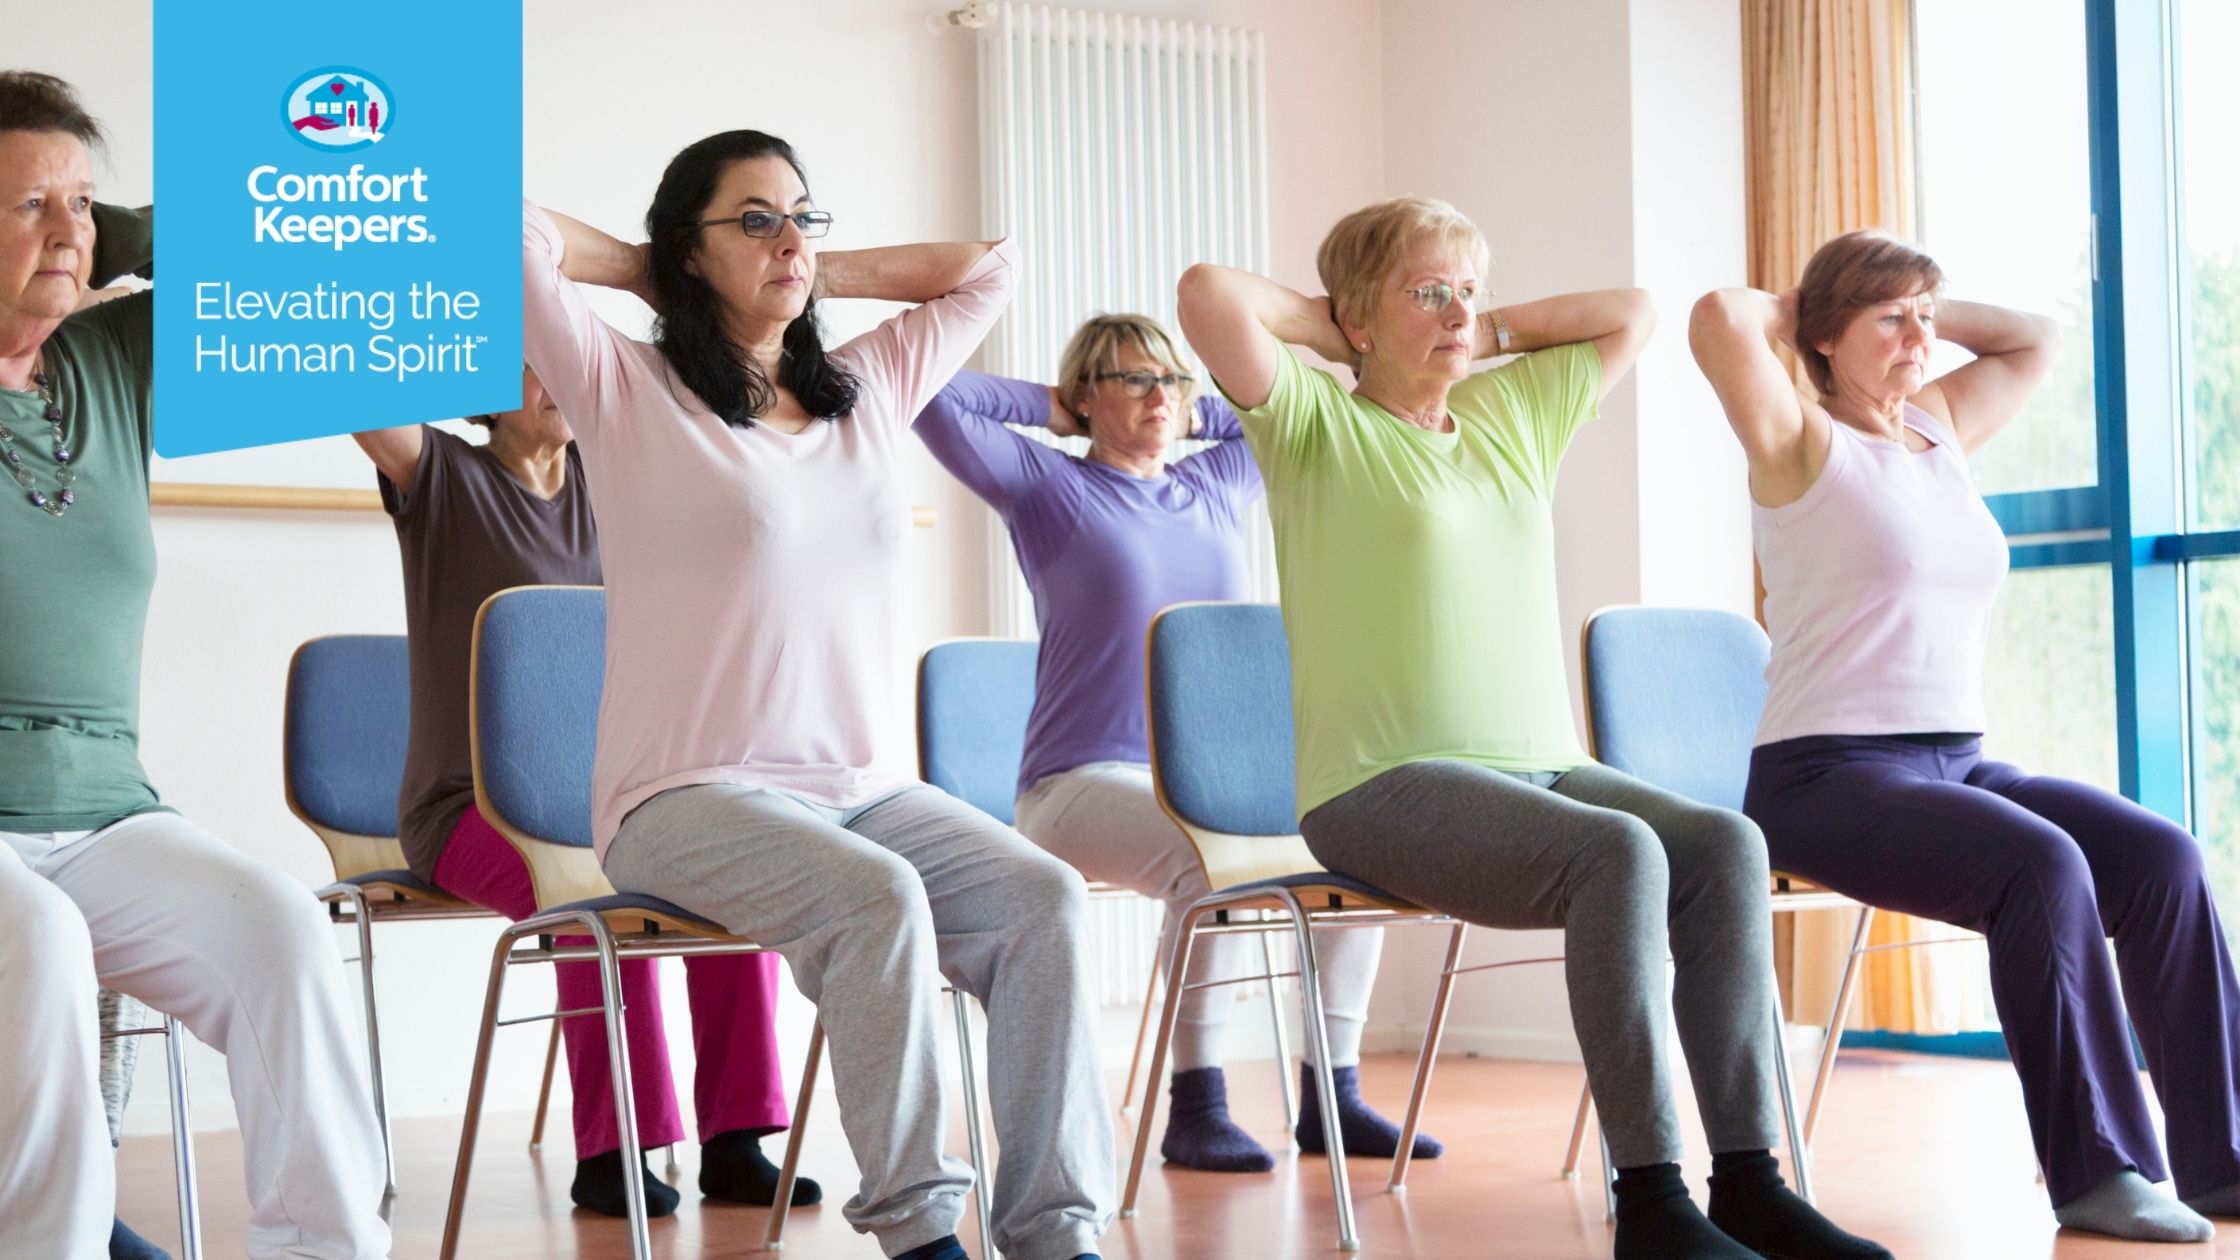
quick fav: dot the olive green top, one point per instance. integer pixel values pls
(74, 589)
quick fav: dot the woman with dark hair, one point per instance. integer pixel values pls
(99, 879)
(473, 520)
(753, 764)
(1881, 564)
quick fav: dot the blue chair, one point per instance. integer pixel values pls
(1222, 760)
(1673, 697)
(974, 699)
(348, 715)
(539, 665)
(974, 696)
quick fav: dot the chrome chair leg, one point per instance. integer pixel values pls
(1283, 1039)
(1177, 968)
(1609, 1177)
(1425, 1059)
(1143, 1034)
(1310, 984)
(544, 1091)
(776, 1239)
(363, 922)
(182, 1140)
(1578, 1132)
(625, 1106)
(1800, 1156)
(974, 1135)
(478, 1080)
(1833, 1037)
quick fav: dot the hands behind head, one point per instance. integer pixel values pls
(642, 282)
(1332, 344)
(1784, 327)
(1063, 423)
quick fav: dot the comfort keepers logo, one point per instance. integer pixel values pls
(375, 282)
(338, 108)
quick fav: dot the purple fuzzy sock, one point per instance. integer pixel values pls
(1199, 1132)
(1366, 1133)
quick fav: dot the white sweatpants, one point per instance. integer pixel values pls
(156, 907)
(1104, 819)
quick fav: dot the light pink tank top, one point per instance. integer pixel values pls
(1879, 585)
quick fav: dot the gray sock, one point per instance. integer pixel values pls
(2225, 1202)
(2127, 1205)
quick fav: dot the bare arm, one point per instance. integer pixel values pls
(1732, 332)
(2014, 351)
(898, 273)
(396, 452)
(590, 256)
(1238, 322)
(1617, 321)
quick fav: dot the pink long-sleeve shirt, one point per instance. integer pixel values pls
(751, 574)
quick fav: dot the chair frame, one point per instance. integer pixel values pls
(355, 901)
(1102, 891)
(182, 1133)
(1277, 880)
(1789, 894)
(569, 885)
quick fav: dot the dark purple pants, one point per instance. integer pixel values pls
(2045, 869)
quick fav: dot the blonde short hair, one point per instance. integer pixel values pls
(1096, 348)
(1364, 247)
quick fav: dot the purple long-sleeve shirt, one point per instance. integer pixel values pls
(1103, 552)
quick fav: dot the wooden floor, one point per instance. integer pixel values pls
(1927, 1155)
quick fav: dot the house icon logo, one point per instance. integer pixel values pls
(338, 108)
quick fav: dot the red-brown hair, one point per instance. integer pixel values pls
(1847, 275)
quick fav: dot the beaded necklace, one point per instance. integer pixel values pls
(58, 503)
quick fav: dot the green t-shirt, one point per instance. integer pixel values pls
(75, 601)
(1418, 570)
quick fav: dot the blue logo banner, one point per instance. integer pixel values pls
(338, 209)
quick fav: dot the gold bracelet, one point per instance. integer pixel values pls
(1500, 331)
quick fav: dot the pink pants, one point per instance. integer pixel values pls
(734, 1000)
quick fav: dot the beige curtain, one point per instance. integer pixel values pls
(1829, 146)
(1829, 149)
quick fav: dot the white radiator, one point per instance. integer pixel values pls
(1116, 150)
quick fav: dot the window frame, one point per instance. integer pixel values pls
(2140, 359)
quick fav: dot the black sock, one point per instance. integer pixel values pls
(944, 1248)
(598, 1187)
(733, 1167)
(1750, 1203)
(126, 1245)
(1657, 1220)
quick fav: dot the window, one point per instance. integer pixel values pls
(2049, 678)
(2209, 284)
(2004, 170)
(2216, 705)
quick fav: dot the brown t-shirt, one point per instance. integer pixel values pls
(467, 530)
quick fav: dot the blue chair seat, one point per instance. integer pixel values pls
(667, 913)
(1343, 885)
(399, 877)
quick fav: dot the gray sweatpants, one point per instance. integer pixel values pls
(863, 905)
(1612, 861)
(1104, 819)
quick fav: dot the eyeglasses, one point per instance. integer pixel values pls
(1140, 384)
(1437, 296)
(769, 223)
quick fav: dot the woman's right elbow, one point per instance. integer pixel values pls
(1200, 283)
